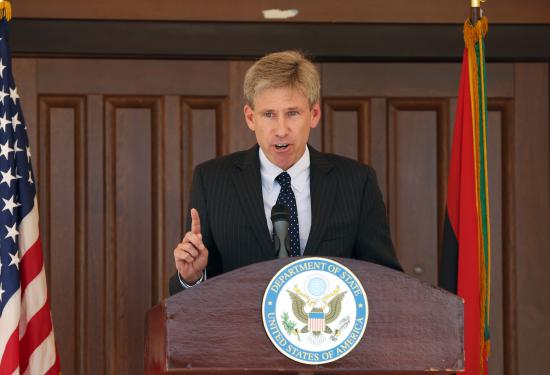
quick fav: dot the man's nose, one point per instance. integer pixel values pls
(281, 129)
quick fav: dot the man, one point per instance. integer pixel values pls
(336, 208)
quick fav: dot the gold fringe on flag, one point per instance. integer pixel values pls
(5, 9)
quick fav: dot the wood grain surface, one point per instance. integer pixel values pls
(413, 327)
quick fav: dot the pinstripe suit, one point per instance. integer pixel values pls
(348, 213)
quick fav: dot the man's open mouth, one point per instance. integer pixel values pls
(281, 146)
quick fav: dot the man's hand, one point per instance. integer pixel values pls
(191, 256)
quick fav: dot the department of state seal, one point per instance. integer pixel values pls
(315, 310)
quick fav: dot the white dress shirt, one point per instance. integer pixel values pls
(299, 175)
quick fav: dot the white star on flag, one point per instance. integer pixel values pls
(1, 292)
(7, 177)
(30, 178)
(28, 154)
(4, 122)
(14, 259)
(2, 67)
(10, 204)
(12, 233)
(5, 150)
(3, 94)
(13, 95)
(16, 148)
(15, 121)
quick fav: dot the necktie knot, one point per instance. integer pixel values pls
(283, 179)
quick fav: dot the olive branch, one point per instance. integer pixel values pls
(289, 325)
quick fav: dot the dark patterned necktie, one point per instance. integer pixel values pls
(286, 197)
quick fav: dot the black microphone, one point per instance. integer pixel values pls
(280, 215)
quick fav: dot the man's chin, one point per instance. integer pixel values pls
(284, 163)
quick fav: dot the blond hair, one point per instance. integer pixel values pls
(283, 69)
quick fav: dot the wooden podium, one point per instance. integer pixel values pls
(216, 327)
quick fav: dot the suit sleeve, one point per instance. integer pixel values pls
(199, 201)
(373, 243)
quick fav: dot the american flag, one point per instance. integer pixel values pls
(27, 344)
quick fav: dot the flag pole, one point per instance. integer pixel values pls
(475, 10)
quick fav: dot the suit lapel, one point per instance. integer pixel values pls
(248, 184)
(323, 188)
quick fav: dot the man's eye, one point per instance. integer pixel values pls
(293, 113)
(269, 114)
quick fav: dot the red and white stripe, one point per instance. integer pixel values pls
(316, 324)
(27, 343)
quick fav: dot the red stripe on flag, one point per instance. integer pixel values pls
(10, 359)
(463, 113)
(38, 329)
(55, 369)
(31, 264)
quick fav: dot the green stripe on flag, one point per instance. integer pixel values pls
(483, 199)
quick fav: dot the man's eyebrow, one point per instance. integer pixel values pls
(274, 110)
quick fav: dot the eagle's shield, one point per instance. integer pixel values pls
(316, 321)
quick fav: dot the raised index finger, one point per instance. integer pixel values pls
(195, 222)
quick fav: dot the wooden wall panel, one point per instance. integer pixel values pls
(494, 166)
(134, 186)
(96, 303)
(240, 137)
(508, 237)
(346, 130)
(503, 317)
(204, 135)
(532, 219)
(400, 11)
(417, 149)
(141, 77)
(396, 80)
(174, 183)
(63, 218)
(379, 142)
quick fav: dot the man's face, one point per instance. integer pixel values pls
(282, 119)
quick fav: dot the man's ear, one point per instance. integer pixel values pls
(249, 117)
(315, 115)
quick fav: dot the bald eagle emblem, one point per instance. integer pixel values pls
(314, 310)
(316, 314)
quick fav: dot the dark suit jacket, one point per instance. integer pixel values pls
(348, 216)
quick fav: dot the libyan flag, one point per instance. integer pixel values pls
(465, 261)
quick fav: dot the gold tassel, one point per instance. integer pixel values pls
(472, 34)
(5, 9)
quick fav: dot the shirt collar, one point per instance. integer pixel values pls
(299, 172)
